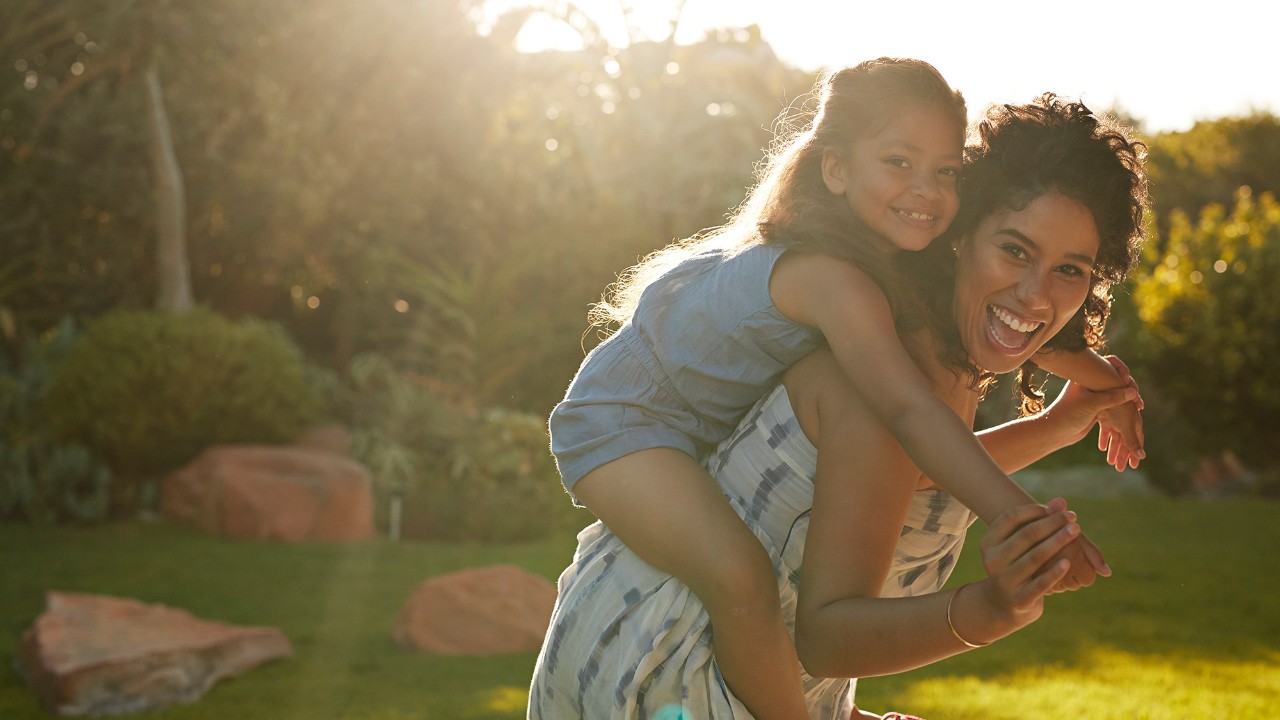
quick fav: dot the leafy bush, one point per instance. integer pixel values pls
(1211, 335)
(148, 391)
(1204, 165)
(40, 479)
(463, 473)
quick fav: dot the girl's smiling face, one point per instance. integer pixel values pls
(902, 180)
(1021, 275)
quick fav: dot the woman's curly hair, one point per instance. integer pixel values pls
(1021, 152)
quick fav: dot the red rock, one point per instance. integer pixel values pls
(102, 655)
(258, 492)
(483, 611)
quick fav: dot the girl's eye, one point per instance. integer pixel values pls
(898, 162)
(1014, 251)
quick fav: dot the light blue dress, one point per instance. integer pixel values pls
(628, 641)
(704, 344)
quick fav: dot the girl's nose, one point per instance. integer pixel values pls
(926, 185)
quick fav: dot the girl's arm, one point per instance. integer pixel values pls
(864, 486)
(1084, 367)
(852, 312)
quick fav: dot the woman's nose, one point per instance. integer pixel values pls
(1033, 291)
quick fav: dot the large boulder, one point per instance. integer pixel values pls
(482, 611)
(103, 655)
(259, 492)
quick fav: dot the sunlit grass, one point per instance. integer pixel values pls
(1189, 627)
(1106, 683)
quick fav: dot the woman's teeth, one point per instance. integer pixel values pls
(1009, 332)
(1013, 322)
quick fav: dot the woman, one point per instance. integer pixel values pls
(1051, 216)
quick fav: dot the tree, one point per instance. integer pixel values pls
(1208, 163)
(96, 69)
(174, 273)
(1210, 334)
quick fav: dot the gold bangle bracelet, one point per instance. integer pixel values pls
(952, 625)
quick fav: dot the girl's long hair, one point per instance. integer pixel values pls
(790, 205)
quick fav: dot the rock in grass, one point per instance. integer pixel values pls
(102, 655)
(263, 492)
(482, 611)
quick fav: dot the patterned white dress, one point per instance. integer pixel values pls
(628, 641)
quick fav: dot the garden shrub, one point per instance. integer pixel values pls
(148, 391)
(42, 480)
(1209, 339)
(462, 473)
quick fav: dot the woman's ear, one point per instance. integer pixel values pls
(833, 172)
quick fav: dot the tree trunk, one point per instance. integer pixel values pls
(174, 281)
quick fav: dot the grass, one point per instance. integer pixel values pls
(1189, 627)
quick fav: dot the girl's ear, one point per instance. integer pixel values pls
(833, 172)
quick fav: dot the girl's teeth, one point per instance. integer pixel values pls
(914, 215)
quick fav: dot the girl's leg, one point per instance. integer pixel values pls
(671, 513)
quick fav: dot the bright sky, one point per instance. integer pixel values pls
(1166, 63)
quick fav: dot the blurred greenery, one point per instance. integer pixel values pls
(42, 478)
(1208, 340)
(148, 391)
(1186, 628)
(386, 179)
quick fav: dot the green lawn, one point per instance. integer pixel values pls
(1189, 627)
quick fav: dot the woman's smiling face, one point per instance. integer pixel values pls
(1020, 277)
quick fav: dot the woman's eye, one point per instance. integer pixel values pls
(950, 172)
(1072, 271)
(1014, 251)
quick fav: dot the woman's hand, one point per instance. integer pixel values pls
(1017, 554)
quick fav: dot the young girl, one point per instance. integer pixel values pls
(708, 325)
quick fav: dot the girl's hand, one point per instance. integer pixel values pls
(1120, 433)
(1086, 564)
(1077, 409)
(1018, 553)
(1116, 426)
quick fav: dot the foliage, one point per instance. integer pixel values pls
(394, 178)
(463, 473)
(41, 479)
(321, 140)
(148, 391)
(1208, 163)
(1209, 336)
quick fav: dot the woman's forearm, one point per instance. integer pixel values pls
(1019, 443)
(866, 637)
